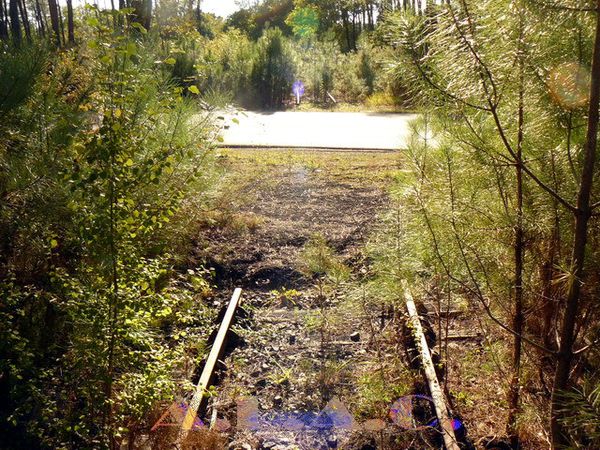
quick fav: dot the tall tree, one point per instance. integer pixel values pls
(143, 12)
(519, 244)
(582, 213)
(459, 48)
(61, 23)
(15, 26)
(25, 19)
(39, 15)
(70, 25)
(55, 21)
(3, 21)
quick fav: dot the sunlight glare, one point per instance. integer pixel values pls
(569, 85)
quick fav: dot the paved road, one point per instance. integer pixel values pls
(377, 131)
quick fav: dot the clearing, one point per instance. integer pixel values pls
(326, 130)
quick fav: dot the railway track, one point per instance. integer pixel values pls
(339, 422)
(303, 349)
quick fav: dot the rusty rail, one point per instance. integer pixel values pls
(209, 367)
(437, 395)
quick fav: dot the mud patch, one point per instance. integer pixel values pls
(291, 201)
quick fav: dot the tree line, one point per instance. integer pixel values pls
(347, 19)
(22, 20)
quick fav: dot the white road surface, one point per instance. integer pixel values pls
(335, 130)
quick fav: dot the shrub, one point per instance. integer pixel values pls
(93, 321)
(367, 72)
(380, 99)
(349, 86)
(273, 71)
(224, 68)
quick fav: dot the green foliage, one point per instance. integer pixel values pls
(470, 224)
(19, 71)
(243, 21)
(209, 25)
(367, 72)
(581, 414)
(285, 297)
(224, 69)
(231, 67)
(318, 260)
(349, 85)
(323, 68)
(377, 393)
(453, 228)
(95, 160)
(273, 70)
(304, 21)
(314, 63)
(182, 70)
(256, 19)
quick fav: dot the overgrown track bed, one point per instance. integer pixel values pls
(313, 343)
(275, 201)
(284, 199)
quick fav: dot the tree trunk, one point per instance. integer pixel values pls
(354, 37)
(3, 21)
(53, 7)
(346, 28)
(582, 217)
(143, 12)
(61, 22)
(40, 19)
(15, 26)
(199, 15)
(363, 24)
(548, 291)
(70, 26)
(518, 319)
(148, 17)
(25, 19)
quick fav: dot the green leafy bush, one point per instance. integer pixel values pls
(94, 323)
(225, 67)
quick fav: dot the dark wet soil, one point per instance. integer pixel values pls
(295, 205)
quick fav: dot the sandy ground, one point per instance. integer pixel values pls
(332, 130)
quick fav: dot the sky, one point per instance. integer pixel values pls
(221, 8)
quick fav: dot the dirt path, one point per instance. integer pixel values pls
(307, 343)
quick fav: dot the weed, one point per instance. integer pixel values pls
(287, 298)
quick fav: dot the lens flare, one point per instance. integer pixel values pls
(402, 411)
(304, 21)
(569, 85)
(456, 424)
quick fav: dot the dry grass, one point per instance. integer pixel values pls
(339, 166)
(382, 104)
